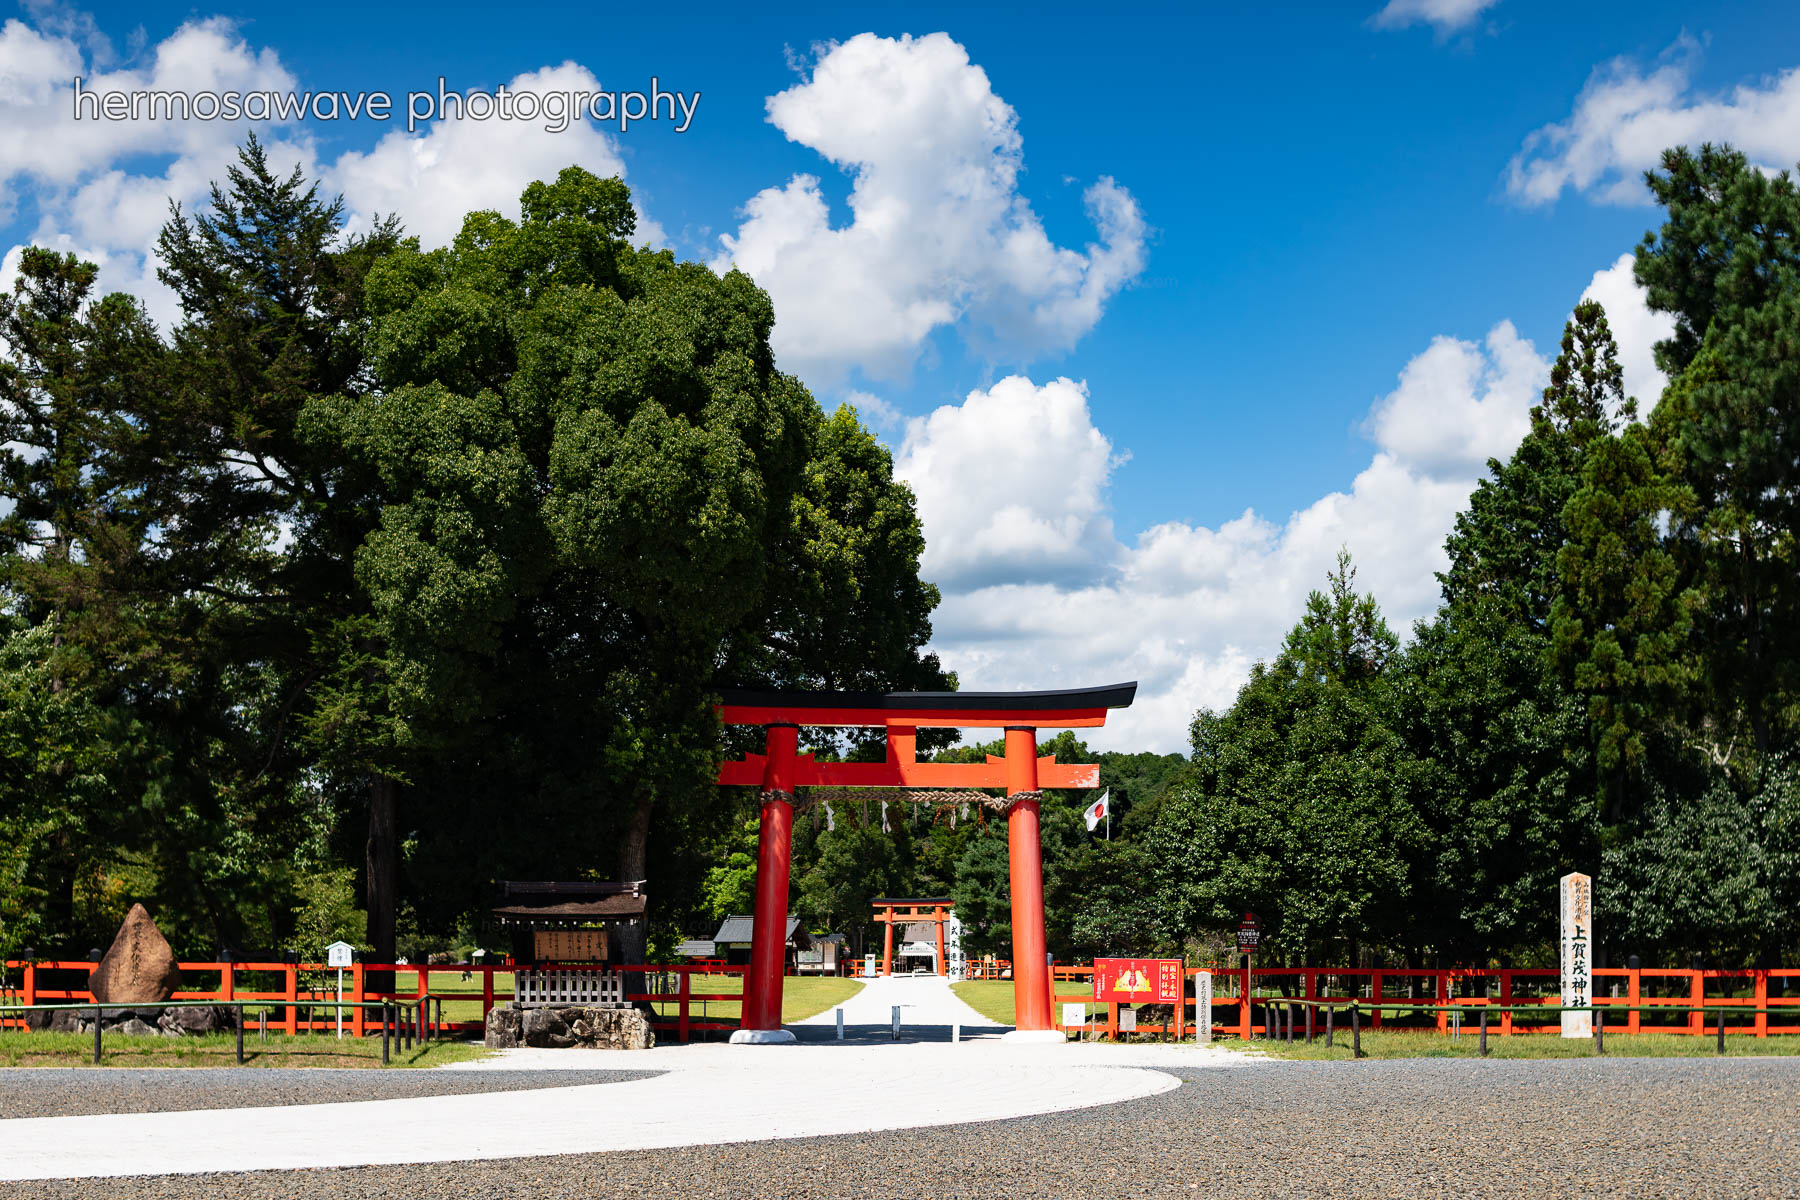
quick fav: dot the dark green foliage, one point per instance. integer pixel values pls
(1299, 805)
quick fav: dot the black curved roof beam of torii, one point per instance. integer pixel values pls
(902, 714)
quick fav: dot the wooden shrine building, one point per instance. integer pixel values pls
(567, 922)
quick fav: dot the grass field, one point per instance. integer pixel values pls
(23, 1049)
(1419, 1044)
(993, 998)
(802, 996)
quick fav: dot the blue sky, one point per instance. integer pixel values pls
(1320, 220)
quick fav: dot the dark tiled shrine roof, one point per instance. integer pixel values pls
(582, 900)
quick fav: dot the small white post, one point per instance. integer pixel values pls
(896, 1022)
(956, 1032)
(1203, 1007)
(840, 1024)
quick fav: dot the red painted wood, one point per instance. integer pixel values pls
(768, 935)
(1025, 861)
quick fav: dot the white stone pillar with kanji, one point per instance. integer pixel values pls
(1577, 892)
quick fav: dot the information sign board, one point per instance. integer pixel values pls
(569, 945)
(1138, 980)
(338, 954)
(1249, 934)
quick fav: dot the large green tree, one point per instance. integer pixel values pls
(1726, 265)
(601, 500)
(1300, 805)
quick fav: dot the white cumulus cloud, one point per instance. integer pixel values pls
(463, 164)
(1011, 484)
(940, 234)
(1626, 117)
(1445, 16)
(1635, 327)
(1039, 592)
(95, 193)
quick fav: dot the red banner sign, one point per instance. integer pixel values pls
(1138, 980)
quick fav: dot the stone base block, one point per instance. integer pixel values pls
(1046, 1037)
(761, 1037)
(138, 1021)
(573, 1028)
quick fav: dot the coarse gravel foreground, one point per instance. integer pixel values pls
(1640, 1127)
(79, 1091)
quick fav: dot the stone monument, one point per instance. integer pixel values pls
(140, 968)
(1577, 893)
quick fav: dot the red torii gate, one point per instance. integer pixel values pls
(782, 768)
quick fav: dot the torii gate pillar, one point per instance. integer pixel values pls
(1025, 859)
(761, 1023)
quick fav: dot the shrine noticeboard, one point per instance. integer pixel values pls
(1138, 980)
(569, 945)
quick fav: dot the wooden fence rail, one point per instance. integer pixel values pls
(670, 989)
(1768, 993)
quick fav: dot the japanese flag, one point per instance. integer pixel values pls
(1096, 811)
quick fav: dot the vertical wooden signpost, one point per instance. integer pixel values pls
(1577, 895)
(1249, 937)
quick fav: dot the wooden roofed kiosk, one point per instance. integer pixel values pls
(781, 769)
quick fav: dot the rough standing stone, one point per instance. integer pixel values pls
(140, 967)
(179, 1022)
(585, 1028)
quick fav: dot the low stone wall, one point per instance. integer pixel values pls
(143, 1020)
(558, 1028)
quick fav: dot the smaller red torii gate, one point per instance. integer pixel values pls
(922, 910)
(782, 768)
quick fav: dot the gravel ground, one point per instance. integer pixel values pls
(1641, 1127)
(55, 1092)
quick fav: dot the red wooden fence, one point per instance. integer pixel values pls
(1473, 988)
(232, 980)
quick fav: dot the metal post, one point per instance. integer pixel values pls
(896, 1013)
(384, 1034)
(1290, 1024)
(1721, 1031)
(1330, 1016)
(1484, 1031)
(840, 1024)
(240, 1034)
(1309, 1024)
(1355, 1032)
(1599, 1031)
(97, 1035)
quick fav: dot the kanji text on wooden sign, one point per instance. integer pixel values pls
(1138, 980)
(1249, 934)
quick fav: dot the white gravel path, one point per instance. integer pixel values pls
(927, 1005)
(708, 1094)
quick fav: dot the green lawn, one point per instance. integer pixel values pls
(993, 998)
(1423, 1044)
(23, 1049)
(801, 997)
